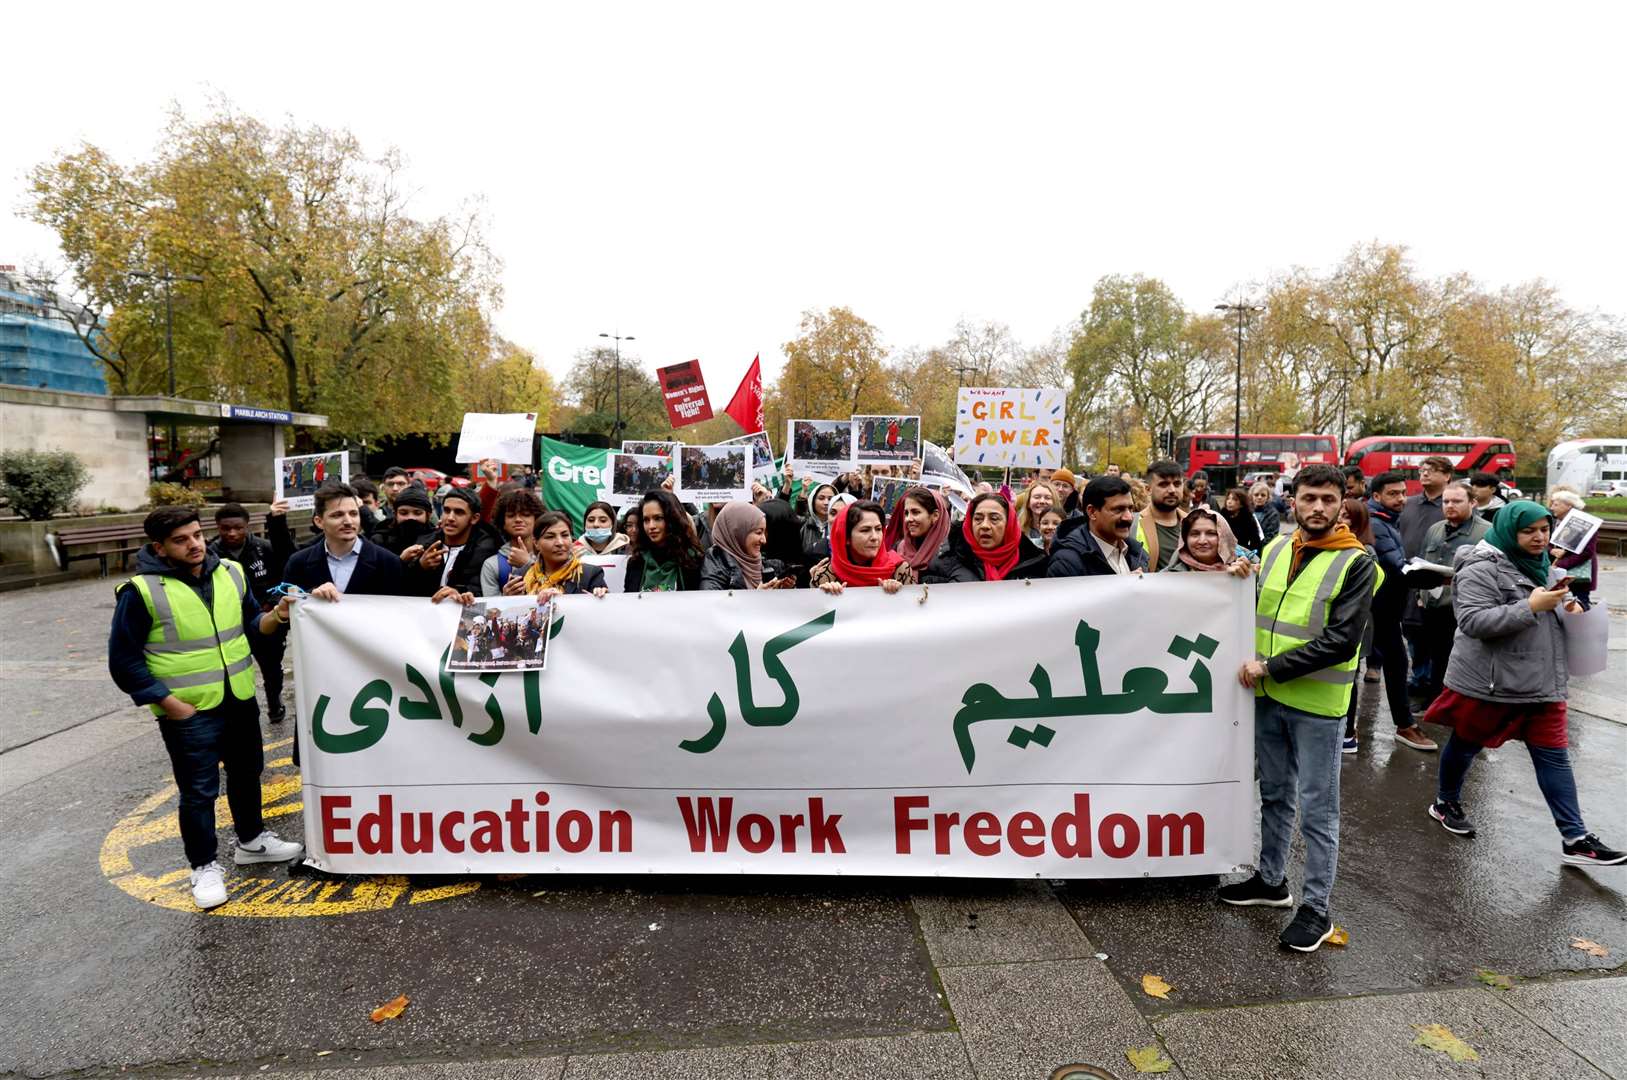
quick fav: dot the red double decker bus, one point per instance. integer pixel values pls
(1404, 453)
(1281, 453)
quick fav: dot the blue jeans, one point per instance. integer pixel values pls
(1554, 777)
(1297, 757)
(197, 747)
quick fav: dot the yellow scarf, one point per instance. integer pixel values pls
(536, 579)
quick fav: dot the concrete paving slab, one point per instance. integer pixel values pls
(505, 1069)
(937, 1056)
(1424, 908)
(980, 922)
(49, 755)
(1024, 1020)
(1366, 1039)
(718, 1063)
(1587, 1015)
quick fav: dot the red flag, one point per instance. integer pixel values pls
(747, 404)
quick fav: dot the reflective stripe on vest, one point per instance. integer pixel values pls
(191, 649)
(1289, 615)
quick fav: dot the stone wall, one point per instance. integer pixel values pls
(113, 445)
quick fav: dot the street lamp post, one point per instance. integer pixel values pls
(618, 338)
(1241, 311)
(169, 280)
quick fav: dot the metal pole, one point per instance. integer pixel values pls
(169, 349)
(1237, 413)
(615, 437)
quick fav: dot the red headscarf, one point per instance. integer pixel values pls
(918, 553)
(849, 572)
(1003, 559)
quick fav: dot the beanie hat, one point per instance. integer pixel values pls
(414, 495)
(1064, 476)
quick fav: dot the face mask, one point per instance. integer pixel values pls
(596, 536)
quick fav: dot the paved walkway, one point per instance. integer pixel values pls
(102, 970)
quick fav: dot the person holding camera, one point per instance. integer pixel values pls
(1508, 675)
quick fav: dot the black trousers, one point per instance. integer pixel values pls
(268, 654)
(198, 746)
(1391, 651)
(1439, 627)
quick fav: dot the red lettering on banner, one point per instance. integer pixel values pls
(1114, 847)
(450, 840)
(1070, 832)
(488, 834)
(1078, 823)
(822, 829)
(708, 818)
(419, 840)
(375, 832)
(708, 821)
(983, 833)
(1167, 831)
(1024, 829)
(756, 833)
(332, 823)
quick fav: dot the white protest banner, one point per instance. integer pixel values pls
(504, 437)
(1009, 427)
(298, 477)
(1083, 727)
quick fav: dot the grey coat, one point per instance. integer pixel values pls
(1503, 651)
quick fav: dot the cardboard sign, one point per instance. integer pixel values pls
(298, 477)
(504, 437)
(684, 391)
(1009, 427)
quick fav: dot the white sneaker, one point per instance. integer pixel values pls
(266, 847)
(208, 886)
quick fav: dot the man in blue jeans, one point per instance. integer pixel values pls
(1314, 592)
(181, 644)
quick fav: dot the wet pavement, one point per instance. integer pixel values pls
(104, 965)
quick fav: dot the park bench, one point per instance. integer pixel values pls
(1613, 535)
(102, 541)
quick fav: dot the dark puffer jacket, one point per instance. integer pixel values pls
(720, 572)
(957, 562)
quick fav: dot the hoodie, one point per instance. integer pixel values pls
(126, 655)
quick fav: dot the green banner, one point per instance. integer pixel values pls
(572, 477)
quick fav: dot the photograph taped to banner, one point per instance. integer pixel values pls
(299, 476)
(501, 633)
(762, 452)
(1016, 427)
(719, 473)
(810, 444)
(1093, 727)
(886, 440)
(649, 446)
(504, 437)
(631, 475)
(1574, 530)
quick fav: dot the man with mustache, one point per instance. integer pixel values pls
(1100, 542)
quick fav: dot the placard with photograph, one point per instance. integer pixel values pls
(762, 452)
(719, 473)
(298, 477)
(811, 444)
(887, 490)
(501, 633)
(649, 446)
(886, 440)
(631, 475)
(1575, 530)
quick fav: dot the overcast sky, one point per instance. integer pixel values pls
(699, 174)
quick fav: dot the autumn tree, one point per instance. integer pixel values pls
(833, 369)
(509, 379)
(591, 387)
(320, 290)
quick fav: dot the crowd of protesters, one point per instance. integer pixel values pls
(1451, 601)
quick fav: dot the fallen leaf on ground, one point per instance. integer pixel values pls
(390, 1009)
(323, 1053)
(1153, 986)
(1494, 980)
(1339, 937)
(1592, 948)
(1149, 1059)
(1440, 1037)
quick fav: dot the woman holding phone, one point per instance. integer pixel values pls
(735, 560)
(1507, 678)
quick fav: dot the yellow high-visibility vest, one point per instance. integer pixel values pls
(1287, 615)
(190, 649)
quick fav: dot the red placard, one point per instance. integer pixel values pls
(684, 391)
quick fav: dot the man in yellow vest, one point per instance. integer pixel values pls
(1314, 592)
(180, 644)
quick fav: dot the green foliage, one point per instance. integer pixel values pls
(162, 494)
(39, 483)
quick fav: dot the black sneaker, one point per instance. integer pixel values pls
(1308, 931)
(1451, 817)
(277, 714)
(1256, 893)
(1589, 852)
